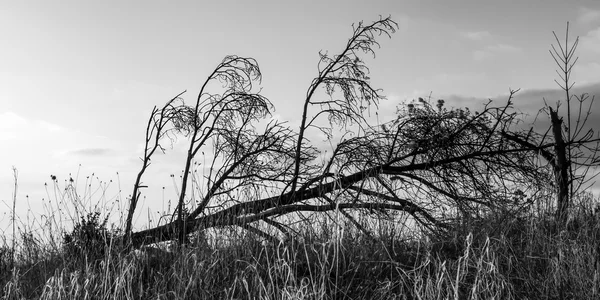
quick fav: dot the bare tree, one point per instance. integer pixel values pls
(428, 162)
(157, 128)
(570, 148)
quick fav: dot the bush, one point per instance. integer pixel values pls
(90, 240)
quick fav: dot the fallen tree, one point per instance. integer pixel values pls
(430, 162)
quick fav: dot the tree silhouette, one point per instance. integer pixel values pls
(569, 148)
(429, 162)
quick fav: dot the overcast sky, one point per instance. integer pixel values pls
(78, 79)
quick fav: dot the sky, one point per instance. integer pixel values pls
(78, 79)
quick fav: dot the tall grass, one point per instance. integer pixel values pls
(524, 259)
(506, 254)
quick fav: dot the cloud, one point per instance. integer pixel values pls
(587, 15)
(48, 126)
(15, 127)
(457, 101)
(494, 50)
(586, 73)
(588, 50)
(441, 84)
(493, 47)
(10, 120)
(480, 55)
(476, 35)
(590, 43)
(529, 102)
(91, 152)
(40, 146)
(504, 48)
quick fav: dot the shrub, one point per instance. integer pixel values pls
(90, 239)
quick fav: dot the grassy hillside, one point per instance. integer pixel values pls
(506, 255)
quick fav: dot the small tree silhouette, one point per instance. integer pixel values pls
(570, 147)
(90, 240)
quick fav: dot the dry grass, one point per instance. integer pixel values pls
(502, 255)
(524, 260)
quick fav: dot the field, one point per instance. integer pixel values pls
(508, 255)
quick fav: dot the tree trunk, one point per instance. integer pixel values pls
(561, 167)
